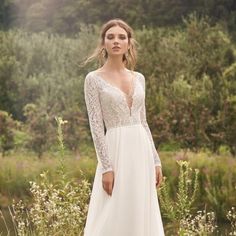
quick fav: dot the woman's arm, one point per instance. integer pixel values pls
(93, 105)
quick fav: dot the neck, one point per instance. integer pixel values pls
(114, 64)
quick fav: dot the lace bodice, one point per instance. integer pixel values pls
(108, 108)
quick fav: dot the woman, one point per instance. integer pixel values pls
(124, 199)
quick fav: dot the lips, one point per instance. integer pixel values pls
(116, 47)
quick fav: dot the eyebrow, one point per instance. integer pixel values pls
(118, 34)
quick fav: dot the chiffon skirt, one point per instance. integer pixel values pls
(133, 207)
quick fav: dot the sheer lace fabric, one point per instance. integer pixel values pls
(107, 108)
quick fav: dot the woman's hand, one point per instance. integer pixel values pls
(108, 181)
(159, 176)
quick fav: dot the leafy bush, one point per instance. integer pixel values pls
(40, 128)
(190, 85)
(182, 210)
(7, 125)
(190, 75)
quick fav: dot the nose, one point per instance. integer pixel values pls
(116, 41)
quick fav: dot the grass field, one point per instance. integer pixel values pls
(217, 177)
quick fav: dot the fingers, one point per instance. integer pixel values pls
(110, 189)
(108, 185)
(159, 178)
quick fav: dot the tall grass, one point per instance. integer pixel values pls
(55, 208)
(58, 188)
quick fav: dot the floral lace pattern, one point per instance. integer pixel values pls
(107, 108)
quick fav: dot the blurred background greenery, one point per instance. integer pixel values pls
(186, 52)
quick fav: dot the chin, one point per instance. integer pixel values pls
(116, 54)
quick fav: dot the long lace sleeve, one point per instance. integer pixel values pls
(92, 101)
(156, 157)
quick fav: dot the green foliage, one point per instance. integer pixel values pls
(219, 190)
(8, 70)
(17, 170)
(189, 96)
(190, 75)
(180, 209)
(5, 17)
(60, 123)
(169, 146)
(7, 125)
(64, 17)
(43, 70)
(54, 207)
(185, 195)
(40, 128)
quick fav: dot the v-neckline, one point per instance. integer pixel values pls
(111, 85)
(124, 95)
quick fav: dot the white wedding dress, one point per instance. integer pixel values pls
(124, 144)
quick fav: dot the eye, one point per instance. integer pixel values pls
(109, 37)
(122, 37)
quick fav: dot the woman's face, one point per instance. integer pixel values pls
(116, 41)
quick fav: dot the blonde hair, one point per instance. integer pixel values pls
(129, 59)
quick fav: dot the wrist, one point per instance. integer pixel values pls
(158, 165)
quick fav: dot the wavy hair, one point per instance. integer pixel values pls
(129, 58)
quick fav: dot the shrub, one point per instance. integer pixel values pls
(180, 208)
(7, 125)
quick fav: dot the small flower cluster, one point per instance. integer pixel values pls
(231, 215)
(203, 223)
(53, 210)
